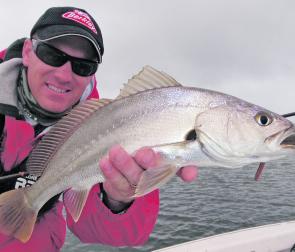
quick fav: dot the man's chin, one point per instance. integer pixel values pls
(54, 108)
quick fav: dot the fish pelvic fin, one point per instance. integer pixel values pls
(17, 217)
(148, 78)
(74, 201)
(154, 178)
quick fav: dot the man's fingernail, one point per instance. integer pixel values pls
(104, 162)
(120, 157)
(148, 157)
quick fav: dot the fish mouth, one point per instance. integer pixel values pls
(284, 138)
(289, 141)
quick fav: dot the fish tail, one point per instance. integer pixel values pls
(17, 217)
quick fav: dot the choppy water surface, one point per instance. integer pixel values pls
(220, 200)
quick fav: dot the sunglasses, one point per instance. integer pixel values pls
(56, 58)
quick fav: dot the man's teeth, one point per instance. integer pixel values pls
(61, 91)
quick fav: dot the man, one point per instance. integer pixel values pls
(42, 79)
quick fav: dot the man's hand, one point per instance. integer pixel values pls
(122, 173)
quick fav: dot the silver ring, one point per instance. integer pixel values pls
(133, 185)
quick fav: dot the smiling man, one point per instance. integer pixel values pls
(42, 78)
(56, 79)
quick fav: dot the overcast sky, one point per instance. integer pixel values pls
(244, 48)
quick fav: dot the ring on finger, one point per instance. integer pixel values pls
(133, 185)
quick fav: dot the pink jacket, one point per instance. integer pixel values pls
(97, 223)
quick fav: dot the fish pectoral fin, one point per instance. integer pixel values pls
(74, 201)
(154, 178)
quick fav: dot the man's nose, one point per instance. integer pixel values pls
(64, 73)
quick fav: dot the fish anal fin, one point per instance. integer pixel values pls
(75, 200)
(17, 218)
(154, 178)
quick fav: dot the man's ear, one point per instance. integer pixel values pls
(27, 49)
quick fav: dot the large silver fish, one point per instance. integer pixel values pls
(186, 125)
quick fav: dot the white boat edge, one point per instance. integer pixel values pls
(278, 237)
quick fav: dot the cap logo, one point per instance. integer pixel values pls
(81, 18)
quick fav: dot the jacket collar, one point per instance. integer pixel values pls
(9, 71)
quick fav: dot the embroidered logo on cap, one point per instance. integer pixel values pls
(81, 18)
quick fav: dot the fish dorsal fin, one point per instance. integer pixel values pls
(59, 133)
(148, 78)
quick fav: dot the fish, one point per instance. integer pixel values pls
(185, 125)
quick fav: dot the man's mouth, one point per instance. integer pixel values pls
(57, 90)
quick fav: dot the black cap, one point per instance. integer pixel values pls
(58, 22)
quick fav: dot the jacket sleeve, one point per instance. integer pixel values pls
(97, 224)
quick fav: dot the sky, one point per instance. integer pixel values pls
(245, 48)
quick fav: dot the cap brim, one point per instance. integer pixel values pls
(58, 31)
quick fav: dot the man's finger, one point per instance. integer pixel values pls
(112, 175)
(188, 173)
(147, 158)
(125, 164)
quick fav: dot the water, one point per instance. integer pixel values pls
(220, 200)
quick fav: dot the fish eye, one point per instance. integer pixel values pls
(191, 135)
(263, 119)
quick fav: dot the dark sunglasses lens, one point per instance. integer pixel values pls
(84, 68)
(50, 56)
(54, 57)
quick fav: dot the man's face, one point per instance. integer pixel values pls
(57, 88)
